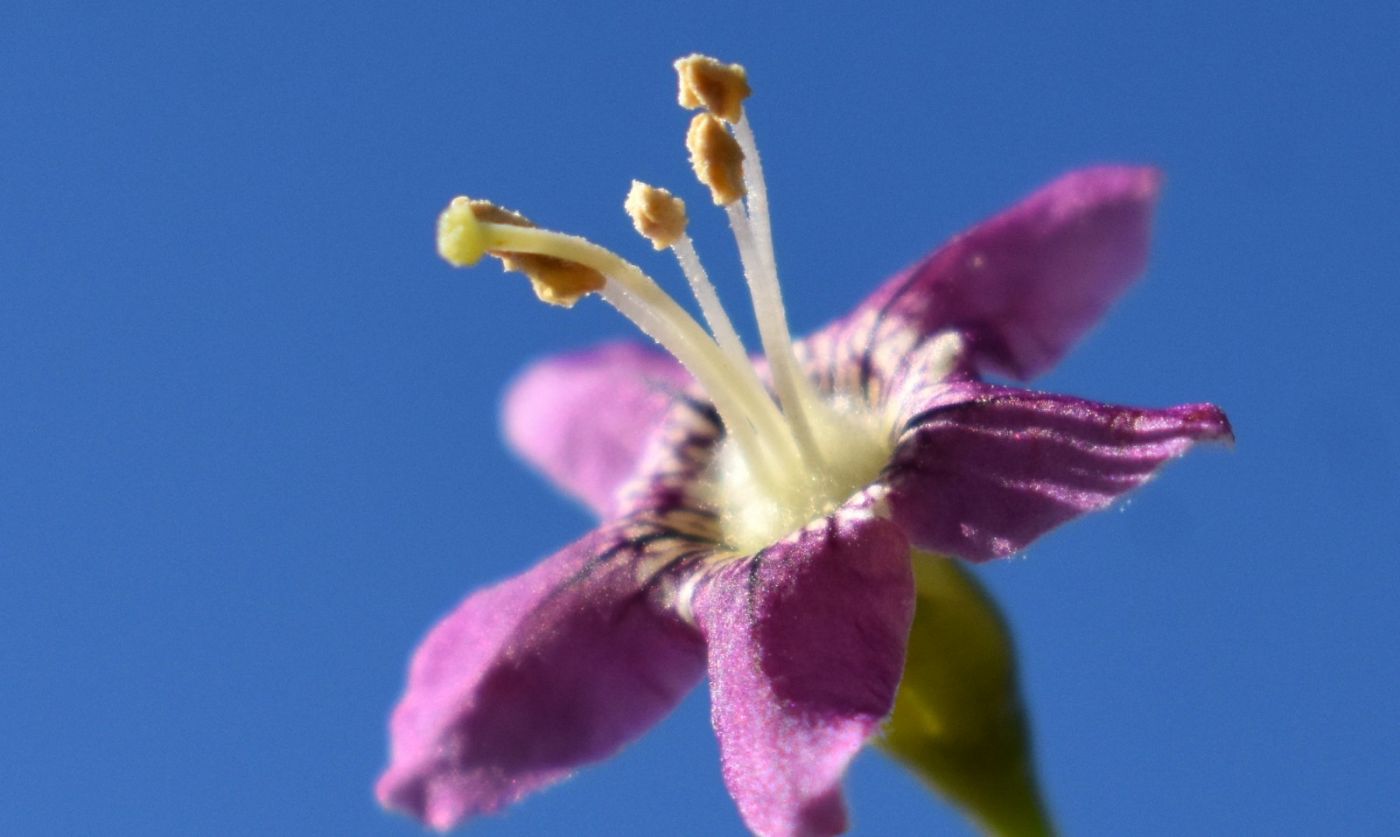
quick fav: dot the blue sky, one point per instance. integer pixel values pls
(249, 446)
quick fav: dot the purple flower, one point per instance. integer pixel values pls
(759, 520)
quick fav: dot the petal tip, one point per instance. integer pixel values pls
(825, 816)
(1209, 423)
(405, 792)
(1027, 283)
(1138, 182)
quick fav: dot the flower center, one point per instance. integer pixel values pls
(755, 513)
(787, 459)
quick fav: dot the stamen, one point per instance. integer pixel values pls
(660, 217)
(720, 324)
(777, 342)
(719, 88)
(771, 424)
(690, 351)
(756, 206)
(757, 201)
(716, 158)
(656, 213)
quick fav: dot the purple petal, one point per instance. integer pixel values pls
(1026, 284)
(806, 647)
(531, 678)
(583, 418)
(985, 470)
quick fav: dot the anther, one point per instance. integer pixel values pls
(719, 88)
(716, 158)
(657, 214)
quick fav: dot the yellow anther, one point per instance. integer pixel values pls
(719, 88)
(656, 213)
(465, 233)
(716, 158)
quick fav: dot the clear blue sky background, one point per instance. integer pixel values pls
(249, 443)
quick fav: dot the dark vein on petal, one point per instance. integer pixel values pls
(751, 591)
(637, 545)
(865, 366)
(927, 416)
(673, 565)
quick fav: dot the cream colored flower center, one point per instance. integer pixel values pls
(854, 446)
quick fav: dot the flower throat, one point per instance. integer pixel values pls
(786, 460)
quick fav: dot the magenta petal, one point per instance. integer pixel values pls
(806, 648)
(583, 418)
(1026, 284)
(531, 678)
(985, 470)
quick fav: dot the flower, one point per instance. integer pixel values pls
(763, 537)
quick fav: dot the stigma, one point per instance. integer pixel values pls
(790, 454)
